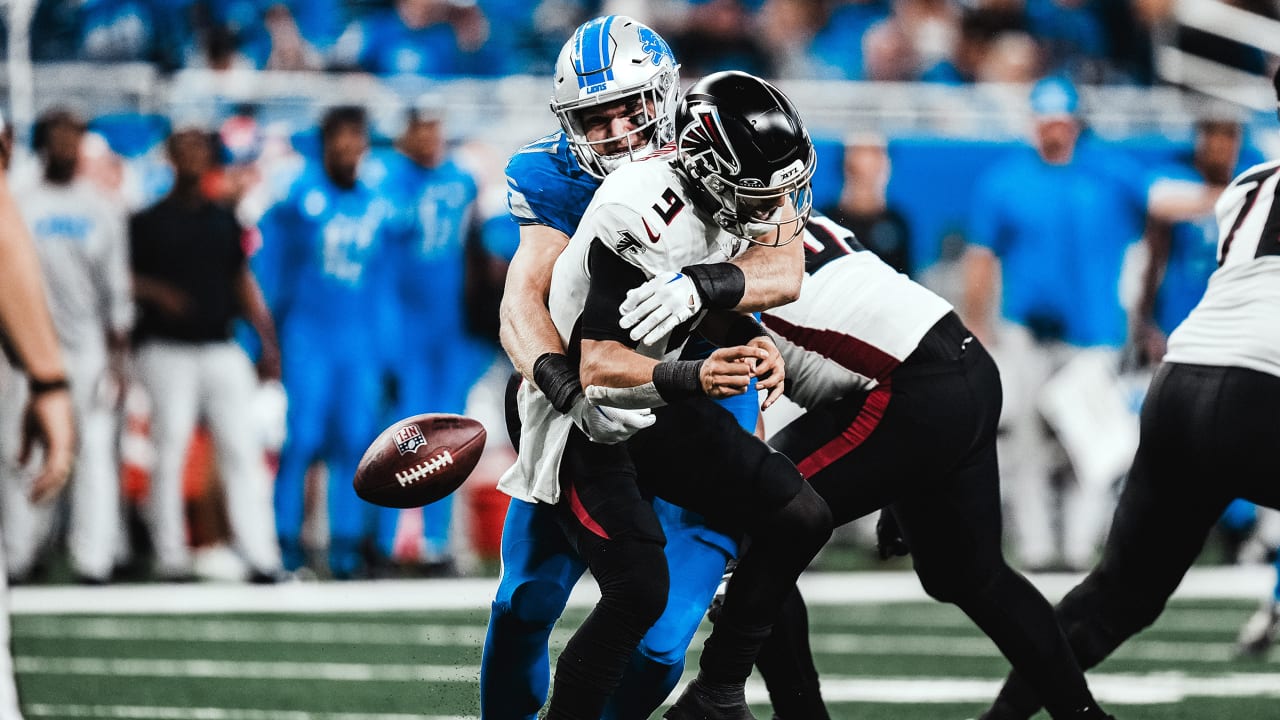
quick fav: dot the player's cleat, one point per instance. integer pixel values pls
(1259, 632)
(700, 702)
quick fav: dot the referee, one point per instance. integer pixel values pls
(1208, 437)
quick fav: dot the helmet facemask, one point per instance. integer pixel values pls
(614, 62)
(770, 216)
(650, 109)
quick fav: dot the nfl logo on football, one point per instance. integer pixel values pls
(408, 439)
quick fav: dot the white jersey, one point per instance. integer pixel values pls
(856, 319)
(83, 248)
(1236, 323)
(642, 215)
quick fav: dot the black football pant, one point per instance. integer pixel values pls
(923, 444)
(695, 456)
(1208, 437)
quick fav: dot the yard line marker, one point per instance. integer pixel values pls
(252, 631)
(1248, 582)
(1110, 688)
(240, 669)
(147, 712)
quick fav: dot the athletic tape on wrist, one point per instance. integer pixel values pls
(721, 285)
(676, 379)
(557, 378)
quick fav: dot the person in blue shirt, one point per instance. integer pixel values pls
(550, 182)
(434, 199)
(326, 273)
(1182, 233)
(1049, 226)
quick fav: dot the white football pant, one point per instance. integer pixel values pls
(93, 491)
(1030, 457)
(216, 381)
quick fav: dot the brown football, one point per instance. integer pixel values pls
(419, 460)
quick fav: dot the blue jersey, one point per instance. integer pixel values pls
(546, 186)
(324, 261)
(1060, 232)
(384, 45)
(1193, 256)
(433, 212)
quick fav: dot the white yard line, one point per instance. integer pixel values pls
(248, 670)
(1248, 582)
(1110, 688)
(147, 712)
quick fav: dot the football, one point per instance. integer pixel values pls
(419, 460)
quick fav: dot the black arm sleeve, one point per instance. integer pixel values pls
(611, 278)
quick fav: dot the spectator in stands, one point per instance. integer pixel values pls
(863, 205)
(916, 36)
(435, 372)
(837, 48)
(84, 253)
(1049, 226)
(720, 35)
(420, 37)
(136, 30)
(191, 280)
(30, 340)
(278, 43)
(980, 30)
(326, 271)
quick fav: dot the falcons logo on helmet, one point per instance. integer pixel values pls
(706, 135)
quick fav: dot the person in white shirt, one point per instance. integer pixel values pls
(83, 253)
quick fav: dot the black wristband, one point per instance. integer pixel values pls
(40, 387)
(678, 379)
(557, 378)
(743, 329)
(721, 285)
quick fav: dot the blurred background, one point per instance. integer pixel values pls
(911, 103)
(1103, 130)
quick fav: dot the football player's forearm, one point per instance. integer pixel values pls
(24, 316)
(773, 276)
(526, 331)
(609, 363)
(525, 328)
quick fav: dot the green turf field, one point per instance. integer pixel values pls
(893, 660)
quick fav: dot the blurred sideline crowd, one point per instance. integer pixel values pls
(242, 310)
(949, 41)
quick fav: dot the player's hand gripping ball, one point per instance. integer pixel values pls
(419, 460)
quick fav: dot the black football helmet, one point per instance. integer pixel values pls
(747, 155)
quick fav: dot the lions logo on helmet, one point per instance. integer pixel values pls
(747, 157)
(615, 61)
(652, 43)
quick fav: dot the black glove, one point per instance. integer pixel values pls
(889, 539)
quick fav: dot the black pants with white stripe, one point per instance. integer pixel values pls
(1208, 437)
(923, 444)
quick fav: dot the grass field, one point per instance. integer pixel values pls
(216, 652)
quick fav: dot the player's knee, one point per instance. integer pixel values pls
(804, 520)
(1119, 605)
(535, 604)
(633, 579)
(962, 584)
(668, 640)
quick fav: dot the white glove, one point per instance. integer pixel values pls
(608, 425)
(654, 309)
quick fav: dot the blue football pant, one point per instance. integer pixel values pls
(332, 417)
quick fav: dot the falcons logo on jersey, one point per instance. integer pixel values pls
(705, 135)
